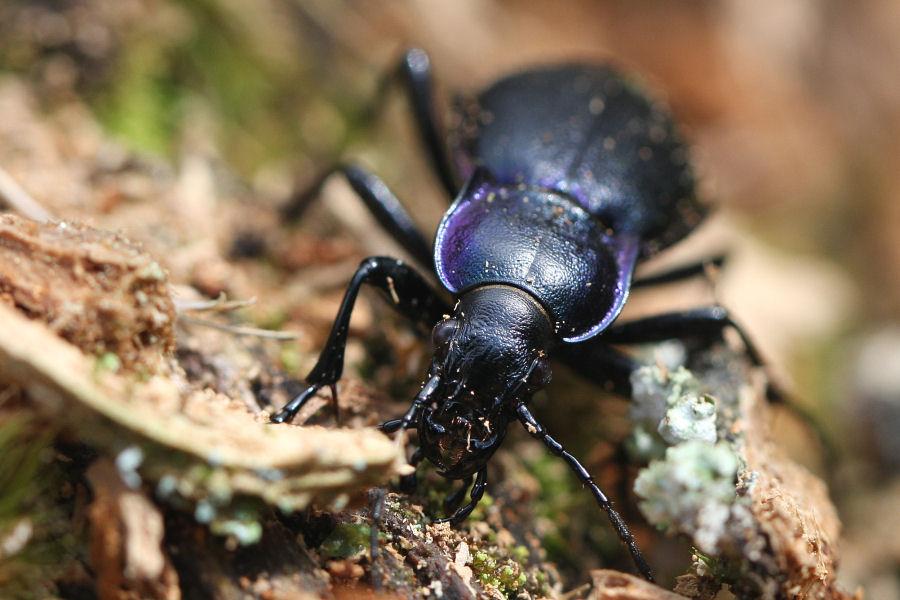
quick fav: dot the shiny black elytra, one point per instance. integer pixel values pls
(570, 177)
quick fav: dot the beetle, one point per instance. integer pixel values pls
(570, 177)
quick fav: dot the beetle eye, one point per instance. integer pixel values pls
(441, 335)
(541, 374)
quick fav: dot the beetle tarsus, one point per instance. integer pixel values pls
(290, 410)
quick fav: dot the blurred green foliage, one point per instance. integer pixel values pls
(262, 83)
(35, 534)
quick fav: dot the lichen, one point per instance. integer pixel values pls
(693, 417)
(692, 490)
(670, 404)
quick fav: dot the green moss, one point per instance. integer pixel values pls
(560, 496)
(520, 553)
(348, 540)
(500, 572)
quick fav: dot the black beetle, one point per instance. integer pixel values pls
(571, 177)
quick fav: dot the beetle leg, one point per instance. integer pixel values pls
(475, 496)
(538, 431)
(380, 201)
(409, 483)
(680, 272)
(601, 363)
(706, 323)
(415, 69)
(391, 426)
(452, 502)
(411, 416)
(412, 297)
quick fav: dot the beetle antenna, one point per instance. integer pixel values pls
(538, 431)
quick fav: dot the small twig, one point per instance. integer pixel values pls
(20, 200)
(219, 304)
(237, 330)
(579, 591)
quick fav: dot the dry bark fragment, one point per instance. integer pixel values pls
(126, 541)
(93, 288)
(760, 523)
(615, 585)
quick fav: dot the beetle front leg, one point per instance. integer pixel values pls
(538, 431)
(475, 496)
(411, 296)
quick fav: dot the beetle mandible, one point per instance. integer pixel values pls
(570, 177)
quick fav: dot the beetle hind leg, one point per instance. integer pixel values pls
(681, 272)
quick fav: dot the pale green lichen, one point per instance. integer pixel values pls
(242, 532)
(669, 403)
(693, 491)
(127, 463)
(109, 361)
(693, 417)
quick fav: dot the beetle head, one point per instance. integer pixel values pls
(489, 356)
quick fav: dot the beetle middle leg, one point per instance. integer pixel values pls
(411, 296)
(705, 323)
(378, 199)
(452, 502)
(680, 273)
(602, 364)
(415, 70)
(414, 73)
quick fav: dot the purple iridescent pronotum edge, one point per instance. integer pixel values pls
(542, 242)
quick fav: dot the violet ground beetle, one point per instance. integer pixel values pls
(570, 178)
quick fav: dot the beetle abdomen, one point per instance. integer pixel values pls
(588, 132)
